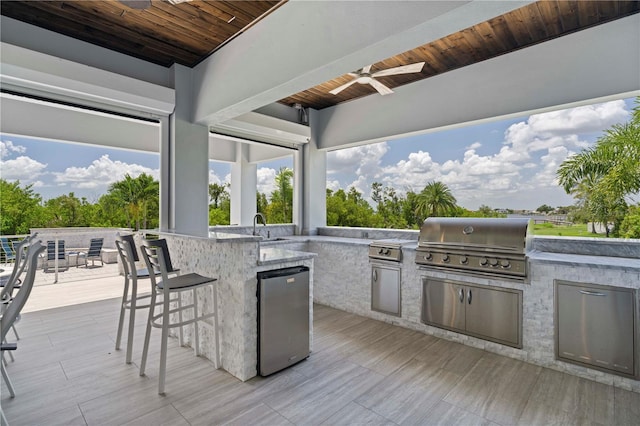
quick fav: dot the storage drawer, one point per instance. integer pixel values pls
(595, 326)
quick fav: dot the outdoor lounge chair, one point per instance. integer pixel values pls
(94, 253)
(9, 253)
(63, 262)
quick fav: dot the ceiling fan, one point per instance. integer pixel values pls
(365, 76)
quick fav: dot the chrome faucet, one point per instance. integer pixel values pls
(255, 219)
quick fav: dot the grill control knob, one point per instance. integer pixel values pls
(387, 252)
(493, 262)
(505, 264)
(484, 261)
(380, 251)
(428, 256)
(464, 260)
(445, 258)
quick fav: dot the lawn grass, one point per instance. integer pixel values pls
(577, 230)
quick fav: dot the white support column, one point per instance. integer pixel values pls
(244, 181)
(189, 165)
(314, 181)
(166, 201)
(298, 190)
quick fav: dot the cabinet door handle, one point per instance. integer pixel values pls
(469, 296)
(592, 293)
(461, 295)
(375, 275)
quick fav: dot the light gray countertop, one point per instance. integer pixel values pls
(582, 260)
(273, 255)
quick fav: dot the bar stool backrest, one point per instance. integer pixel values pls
(15, 306)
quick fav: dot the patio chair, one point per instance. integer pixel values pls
(7, 250)
(12, 282)
(14, 307)
(63, 261)
(154, 257)
(128, 257)
(94, 253)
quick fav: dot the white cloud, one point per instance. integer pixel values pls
(7, 147)
(521, 172)
(100, 174)
(22, 168)
(266, 180)
(364, 159)
(474, 145)
(333, 185)
(213, 178)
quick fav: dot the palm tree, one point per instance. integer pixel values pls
(435, 199)
(135, 195)
(605, 174)
(613, 163)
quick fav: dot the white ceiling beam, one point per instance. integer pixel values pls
(44, 75)
(265, 128)
(303, 44)
(33, 118)
(592, 65)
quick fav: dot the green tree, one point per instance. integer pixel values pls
(280, 208)
(348, 209)
(545, 208)
(137, 197)
(216, 193)
(630, 226)
(435, 199)
(67, 211)
(389, 211)
(20, 208)
(220, 206)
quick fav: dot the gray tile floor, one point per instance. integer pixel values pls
(360, 372)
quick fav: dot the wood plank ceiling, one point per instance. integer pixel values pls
(164, 33)
(155, 31)
(535, 23)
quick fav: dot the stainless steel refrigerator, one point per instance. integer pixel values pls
(283, 318)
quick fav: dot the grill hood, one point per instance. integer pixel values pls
(494, 234)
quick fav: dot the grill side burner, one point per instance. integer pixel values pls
(482, 246)
(390, 249)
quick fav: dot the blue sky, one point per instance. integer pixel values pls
(503, 164)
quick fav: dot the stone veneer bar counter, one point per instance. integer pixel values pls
(235, 260)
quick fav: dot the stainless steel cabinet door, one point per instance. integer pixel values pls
(595, 326)
(443, 304)
(494, 315)
(385, 290)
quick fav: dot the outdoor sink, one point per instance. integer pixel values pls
(268, 240)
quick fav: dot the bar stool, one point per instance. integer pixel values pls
(128, 257)
(155, 256)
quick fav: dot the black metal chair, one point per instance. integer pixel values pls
(63, 261)
(94, 253)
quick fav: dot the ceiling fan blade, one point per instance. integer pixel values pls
(341, 88)
(381, 88)
(136, 4)
(365, 70)
(404, 69)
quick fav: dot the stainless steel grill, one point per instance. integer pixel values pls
(483, 246)
(389, 249)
